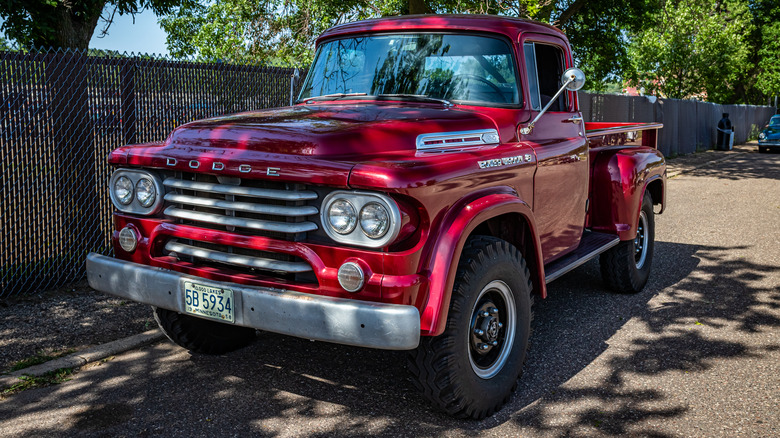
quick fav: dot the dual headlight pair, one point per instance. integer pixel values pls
(136, 191)
(361, 218)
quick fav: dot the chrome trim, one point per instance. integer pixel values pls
(236, 259)
(244, 168)
(452, 137)
(217, 166)
(283, 195)
(358, 200)
(279, 210)
(170, 161)
(254, 224)
(194, 164)
(339, 320)
(134, 206)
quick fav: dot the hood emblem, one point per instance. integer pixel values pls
(447, 141)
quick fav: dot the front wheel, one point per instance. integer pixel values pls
(201, 335)
(471, 369)
(626, 267)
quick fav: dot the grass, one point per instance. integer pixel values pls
(29, 382)
(38, 359)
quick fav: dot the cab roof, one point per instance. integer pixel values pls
(509, 26)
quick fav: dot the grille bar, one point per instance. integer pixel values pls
(232, 221)
(279, 210)
(238, 260)
(280, 195)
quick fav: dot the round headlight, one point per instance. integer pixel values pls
(123, 189)
(374, 220)
(762, 136)
(342, 216)
(144, 192)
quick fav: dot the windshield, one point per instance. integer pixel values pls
(463, 68)
(774, 121)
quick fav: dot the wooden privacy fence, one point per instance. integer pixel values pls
(63, 112)
(689, 125)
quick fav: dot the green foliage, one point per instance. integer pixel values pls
(696, 48)
(768, 79)
(39, 358)
(67, 24)
(29, 382)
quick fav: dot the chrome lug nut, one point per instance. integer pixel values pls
(478, 332)
(484, 314)
(483, 346)
(493, 311)
(500, 324)
(494, 343)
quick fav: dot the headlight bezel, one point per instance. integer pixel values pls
(135, 206)
(359, 199)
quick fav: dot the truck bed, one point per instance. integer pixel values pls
(606, 134)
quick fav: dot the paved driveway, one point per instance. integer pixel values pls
(697, 353)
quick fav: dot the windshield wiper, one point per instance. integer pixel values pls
(416, 98)
(333, 96)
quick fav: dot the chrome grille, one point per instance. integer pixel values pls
(249, 207)
(276, 210)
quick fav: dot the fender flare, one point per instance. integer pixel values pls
(443, 262)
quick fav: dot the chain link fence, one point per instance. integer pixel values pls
(62, 113)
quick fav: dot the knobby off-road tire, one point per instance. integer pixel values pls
(471, 375)
(200, 335)
(626, 267)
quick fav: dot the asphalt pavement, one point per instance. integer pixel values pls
(697, 353)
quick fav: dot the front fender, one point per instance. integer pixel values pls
(443, 262)
(620, 178)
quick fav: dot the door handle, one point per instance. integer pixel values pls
(576, 120)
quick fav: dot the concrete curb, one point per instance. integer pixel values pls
(82, 358)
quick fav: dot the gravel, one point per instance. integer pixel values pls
(71, 318)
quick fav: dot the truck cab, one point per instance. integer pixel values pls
(433, 176)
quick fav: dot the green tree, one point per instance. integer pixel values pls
(68, 23)
(768, 78)
(285, 30)
(697, 48)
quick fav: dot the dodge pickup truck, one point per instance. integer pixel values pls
(433, 176)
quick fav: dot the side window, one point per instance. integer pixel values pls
(544, 64)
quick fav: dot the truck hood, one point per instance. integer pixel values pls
(307, 143)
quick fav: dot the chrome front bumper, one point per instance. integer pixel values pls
(339, 320)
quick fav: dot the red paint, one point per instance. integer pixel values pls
(370, 145)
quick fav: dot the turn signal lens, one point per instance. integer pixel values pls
(127, 239)
(351, 277)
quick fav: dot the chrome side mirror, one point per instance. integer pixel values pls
(294, 78)
(573, 79)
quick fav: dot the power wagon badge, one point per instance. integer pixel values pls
(508, 161)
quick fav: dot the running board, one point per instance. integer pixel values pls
(591, 246)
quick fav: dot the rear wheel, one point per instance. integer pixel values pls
(201, 335)
(626, 267)
(471, 369)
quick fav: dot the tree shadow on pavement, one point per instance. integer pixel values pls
(759, 165)
(587, 344)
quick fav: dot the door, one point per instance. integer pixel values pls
(561, 180)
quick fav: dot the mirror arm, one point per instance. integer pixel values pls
(527, 130)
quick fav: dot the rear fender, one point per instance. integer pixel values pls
(459, 224)
(619, 180)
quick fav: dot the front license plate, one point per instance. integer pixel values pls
(209, 302)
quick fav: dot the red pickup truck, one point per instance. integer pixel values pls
(434, 175)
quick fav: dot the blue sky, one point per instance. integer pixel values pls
(143, 36)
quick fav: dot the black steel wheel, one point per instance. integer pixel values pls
(471, 370)
(626, 267)
(201, 335)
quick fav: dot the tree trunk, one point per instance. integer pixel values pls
(72, 28)
(419, 7)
